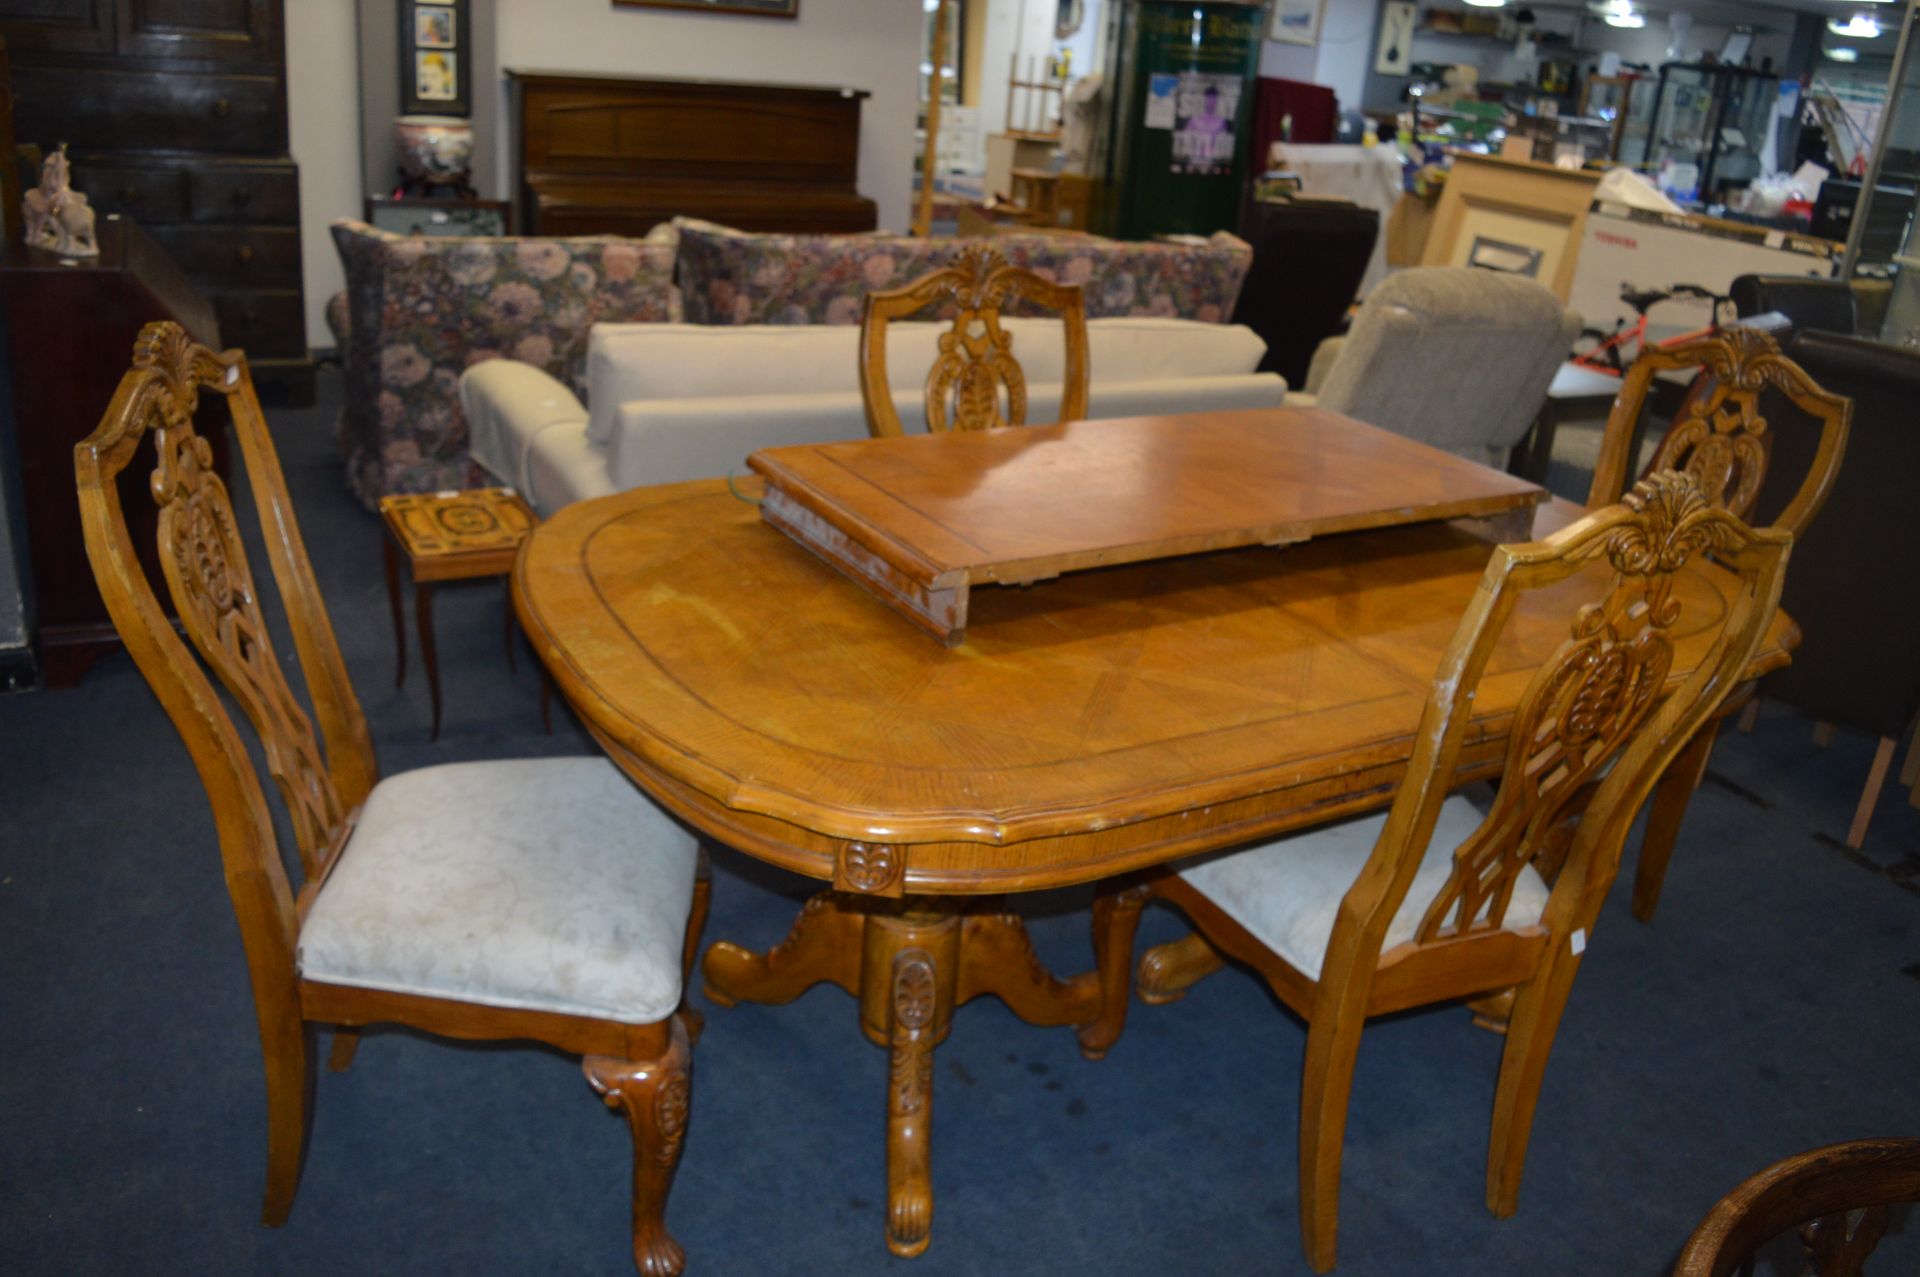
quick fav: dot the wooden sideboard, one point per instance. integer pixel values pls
(70, 327)
(615, 154)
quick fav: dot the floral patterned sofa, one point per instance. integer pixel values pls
(417, 312)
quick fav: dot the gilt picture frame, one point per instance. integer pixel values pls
(743, 8)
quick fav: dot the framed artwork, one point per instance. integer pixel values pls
(1296, 21)
(1394, 54)
(435, 70)
(755, 8)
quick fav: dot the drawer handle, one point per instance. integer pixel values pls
(222, 108)
(249, 316)
(126, 195)
(244, 253)
(243, 195)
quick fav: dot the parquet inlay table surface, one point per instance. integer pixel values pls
(1091, 725)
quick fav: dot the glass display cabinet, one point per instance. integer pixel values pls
(1625, 102)
(1708, 125)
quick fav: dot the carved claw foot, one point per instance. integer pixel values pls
(1168, 970)
(824, 944)
(653, 1095)
(910, 1105)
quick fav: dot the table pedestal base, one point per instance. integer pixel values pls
(910, 963)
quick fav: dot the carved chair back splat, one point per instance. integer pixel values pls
(323, 776)
(1724, 441)
(975, 366)
(1721, 437)
(1836, 1196)
(1595, 728)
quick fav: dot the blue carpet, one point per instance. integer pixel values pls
(1765, 1012)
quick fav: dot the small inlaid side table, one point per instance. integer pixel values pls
(451, 536)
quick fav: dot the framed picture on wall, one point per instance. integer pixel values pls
(1394, 54)
(757, 8)
(435, 70)
(1296, 21)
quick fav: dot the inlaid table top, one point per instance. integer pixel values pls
(921, 518)
(1092, 724)
(453, 535)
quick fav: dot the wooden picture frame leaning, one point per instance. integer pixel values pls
(749, 8)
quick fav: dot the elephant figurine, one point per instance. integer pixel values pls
(58, 217)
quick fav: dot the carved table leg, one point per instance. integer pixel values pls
(1116, 916)
(1168, 970)
(909, 961)
(824, 944)
(653, 1095)
(997, 957)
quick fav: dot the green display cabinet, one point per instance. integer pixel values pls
(1180, 136)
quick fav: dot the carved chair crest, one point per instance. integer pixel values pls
(975, 363)
(211, 582)
(1599, 710)
(1721, 436)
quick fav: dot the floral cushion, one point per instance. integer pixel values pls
(731, 277)
(421, 310)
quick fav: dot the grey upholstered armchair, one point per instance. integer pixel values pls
(1451, 356)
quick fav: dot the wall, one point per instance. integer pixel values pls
(864, 44)
(1015, 27)
(1340, 60)
(323, 120)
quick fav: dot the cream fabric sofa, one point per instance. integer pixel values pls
(670, 402)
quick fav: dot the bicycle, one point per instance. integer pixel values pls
(1609, 352)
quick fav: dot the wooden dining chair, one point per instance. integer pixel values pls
(544, 899)
(1434, 902)
(1836, 1196)
(975, 367)
(1723, 439)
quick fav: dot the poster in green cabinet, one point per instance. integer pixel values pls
(1181, 130)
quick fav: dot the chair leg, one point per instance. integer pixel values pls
(1116, 916)
(1332, 1046)
(1870, 796)
(289, 1101)
(1536, 1018)
(1168, 970)
(1670, 798)
(1750, 715)
(346, 1040)
(653, 1094)
(696, 924)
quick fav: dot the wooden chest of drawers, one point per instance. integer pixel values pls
(175, 114)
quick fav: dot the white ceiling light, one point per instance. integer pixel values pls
(1859, 26)
(1488, 4)
(1843, 54)
(1619, 13)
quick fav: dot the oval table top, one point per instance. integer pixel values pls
(1089, 725)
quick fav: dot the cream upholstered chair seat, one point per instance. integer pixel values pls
(539, 884)
(1286, 892)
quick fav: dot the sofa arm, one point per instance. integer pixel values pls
(508, 405)
(1325, 356)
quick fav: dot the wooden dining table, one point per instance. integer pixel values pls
(1090, 726)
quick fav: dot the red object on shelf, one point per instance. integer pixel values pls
(1312, 107)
